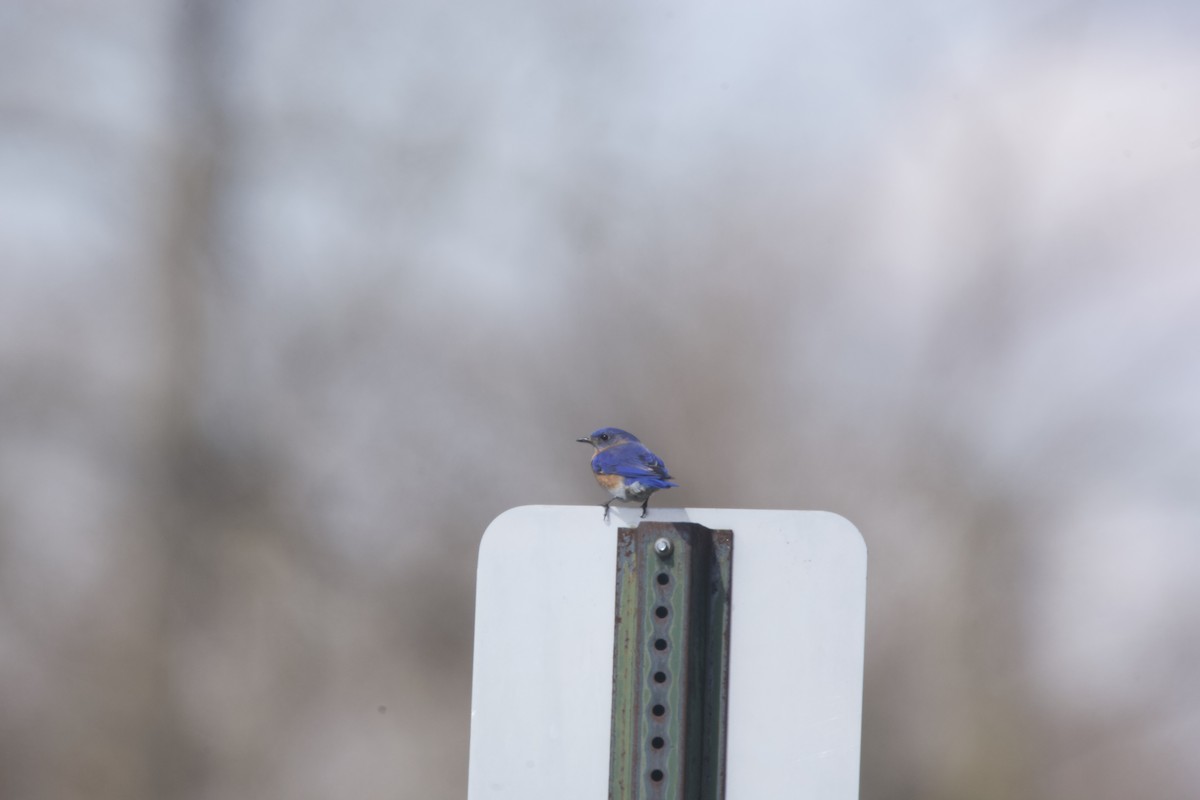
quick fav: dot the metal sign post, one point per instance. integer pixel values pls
(716, 673)
(670, 662)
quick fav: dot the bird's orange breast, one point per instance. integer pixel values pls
(609, 481)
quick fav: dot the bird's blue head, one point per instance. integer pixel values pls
(607, 437)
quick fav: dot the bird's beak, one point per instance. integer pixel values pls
(585, 440)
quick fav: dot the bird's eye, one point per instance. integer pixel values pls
(603, 437)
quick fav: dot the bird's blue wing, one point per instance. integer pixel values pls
(634, 461)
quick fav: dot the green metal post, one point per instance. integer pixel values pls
(670, 662)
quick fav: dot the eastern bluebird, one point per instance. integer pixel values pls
(625, 467)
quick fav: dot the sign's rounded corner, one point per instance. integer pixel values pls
(514, 511)
(502, 521)
(845, 526)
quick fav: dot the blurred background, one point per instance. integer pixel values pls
(295, 297)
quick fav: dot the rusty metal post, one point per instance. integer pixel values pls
(670, 662)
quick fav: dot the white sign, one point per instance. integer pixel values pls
(542, 687)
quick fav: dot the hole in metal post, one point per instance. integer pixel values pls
(660, 612)
(660, 677)
(656, 775)
(657, 743)
(660, 644)
(658, 710)
(663, 578)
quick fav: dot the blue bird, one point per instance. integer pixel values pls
(626, 467)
